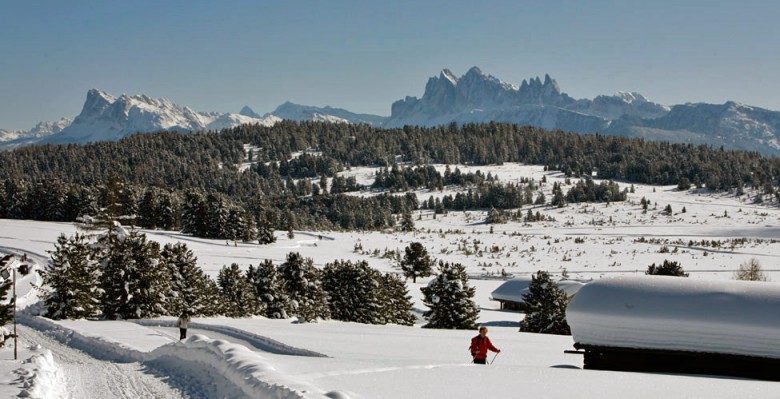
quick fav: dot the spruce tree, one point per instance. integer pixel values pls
(269, 289)
(190, 288)
(238, 296)
(354, 292)
(546, 307)
(6, 282)
(134, 285)
(416, 262)
(308, 300)
(450, 299)
(407, 222)
(396, 301)
(667, 268)
(70, 282)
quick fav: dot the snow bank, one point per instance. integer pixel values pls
(680, 314)
(232, 370)
(41, 377)
(249, 372)
(258, 341)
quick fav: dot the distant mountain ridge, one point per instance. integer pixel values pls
(475, 97)
(105, 117)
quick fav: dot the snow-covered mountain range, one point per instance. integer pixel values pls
(105, 117)
(475, 97)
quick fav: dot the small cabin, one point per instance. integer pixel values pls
(510, 294)
(678, 325)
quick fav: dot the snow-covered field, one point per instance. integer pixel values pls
(280, 358)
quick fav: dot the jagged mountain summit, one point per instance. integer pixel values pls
(105, 117)
(478, 98)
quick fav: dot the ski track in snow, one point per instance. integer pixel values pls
(89, 377)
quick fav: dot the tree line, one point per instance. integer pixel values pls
(124, 276)
(289, 178)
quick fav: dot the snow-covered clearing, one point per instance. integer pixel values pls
(281, 358)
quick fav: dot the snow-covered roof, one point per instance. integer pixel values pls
(673, 313)
(514, 289)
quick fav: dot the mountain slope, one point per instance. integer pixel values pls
(105, 117)
(300, 113)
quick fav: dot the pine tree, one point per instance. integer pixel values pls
(6, 308)
(668, 268)
(237, 294)
(396, 301)
(70, 281)
(190, 288)
(416, 262)
(194, 214)
(269, 289)
(308, 300)
(133, 283)
(450, 299)
(546, 307)
(354, 292)
(407, 222)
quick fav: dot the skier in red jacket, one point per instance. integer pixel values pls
(480, 345)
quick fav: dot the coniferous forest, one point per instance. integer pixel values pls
(194, 183)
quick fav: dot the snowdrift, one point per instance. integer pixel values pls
(654, 323)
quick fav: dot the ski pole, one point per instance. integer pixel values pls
(494, 358)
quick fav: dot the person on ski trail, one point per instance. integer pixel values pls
(183, 323)
(480, 345)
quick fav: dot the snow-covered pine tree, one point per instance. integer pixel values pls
(190, 288)
(69, 289)
(396, 301)
(407, 222)
(134, 285)
(546, 307)
(269, 289)
(193, 214)
(416, 262)
(238, 298)
(354, 291)
(169, 211)
(6, 308)
(308, 300)
(265, 232)
(217, 212)
(147, 208)
(450, 299)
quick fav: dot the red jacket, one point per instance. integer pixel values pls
(480, 346)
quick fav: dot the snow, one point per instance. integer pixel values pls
(674, 313)
(257, 357)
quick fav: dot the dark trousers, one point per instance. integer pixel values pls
(480, 361)
(182, 333)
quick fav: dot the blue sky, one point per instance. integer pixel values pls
(363, 55)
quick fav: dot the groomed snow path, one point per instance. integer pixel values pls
(89, 377)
